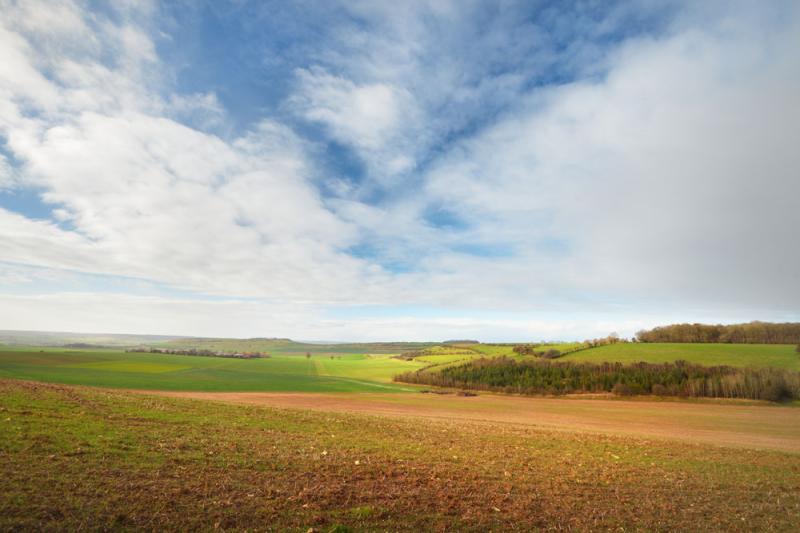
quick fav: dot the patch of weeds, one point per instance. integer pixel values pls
(364, 511)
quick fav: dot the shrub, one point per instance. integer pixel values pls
(776, 392)
(659, 390)
(524, 349)
(622, 389)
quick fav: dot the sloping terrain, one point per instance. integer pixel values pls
(742, 424)
(762, 355)
(74, 458)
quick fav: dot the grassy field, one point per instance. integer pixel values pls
(446, 355)
(76, 458)
(109, 368)
(446, 358)
(774, 355)
(494, 350)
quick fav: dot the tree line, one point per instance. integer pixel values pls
(199, 352)
(750, 333)
(502, 374)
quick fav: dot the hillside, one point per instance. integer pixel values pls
(60, 338)
(760, 355)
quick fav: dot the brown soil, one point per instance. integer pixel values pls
(78, 458)
(757, 426)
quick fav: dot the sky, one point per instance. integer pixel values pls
(369, 170)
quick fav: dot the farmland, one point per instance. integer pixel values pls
(331, 368)
(77, 458)
(760, 355)
(493, 350)
(327, 441)
(114, 368)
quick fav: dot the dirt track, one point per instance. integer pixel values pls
(738, 425)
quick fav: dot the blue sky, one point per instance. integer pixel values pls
(397, 170)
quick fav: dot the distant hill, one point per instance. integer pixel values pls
(259, 344)
(78, 340)
(288, 346)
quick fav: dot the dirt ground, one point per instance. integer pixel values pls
(82, 458)
(747, 425)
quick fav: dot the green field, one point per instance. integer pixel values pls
(762, 355)
(494, 350)
(445, 355)
(280, 373)
(446, 358)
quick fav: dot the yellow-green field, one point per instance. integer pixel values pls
(444, 358)
(494, 350)
(762, 355)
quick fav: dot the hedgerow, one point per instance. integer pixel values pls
(680, 378)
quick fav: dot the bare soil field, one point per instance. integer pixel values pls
(80, 458)
(752, 425)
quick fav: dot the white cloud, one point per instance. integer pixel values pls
(671, 179)
(361, 115)
(374, 118)
(146, 196)
(169, 203)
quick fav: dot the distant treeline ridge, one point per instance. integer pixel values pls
(750, 333)
(201, 353)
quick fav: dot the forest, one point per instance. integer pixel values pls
(503, 374)
(749, 333)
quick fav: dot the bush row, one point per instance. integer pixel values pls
(665, 379)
